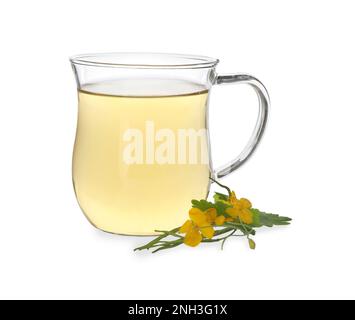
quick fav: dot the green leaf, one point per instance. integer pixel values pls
(221, 208)
(256, 218)
(221, 203)
(261, 219)
(220, 197)
(203, 205)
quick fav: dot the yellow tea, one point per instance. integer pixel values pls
(149, 192)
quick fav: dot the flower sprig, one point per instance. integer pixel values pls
(225, 217)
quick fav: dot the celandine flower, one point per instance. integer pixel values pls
(240, 209)
(197, 227)
(212, 218)
(224, 217)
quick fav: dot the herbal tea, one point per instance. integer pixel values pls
(137, 163)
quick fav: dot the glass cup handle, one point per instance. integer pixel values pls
(254, 140)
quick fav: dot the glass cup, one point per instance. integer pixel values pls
(142, 144)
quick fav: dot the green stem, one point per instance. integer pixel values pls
(222, 231)
(159, 244)
(225, 238)
(171, 232)
(223, 186)
(246, 231)
(157, 239)
(220, 239)
(167, 247)
(242, 227)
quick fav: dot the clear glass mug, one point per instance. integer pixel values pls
(142, 144)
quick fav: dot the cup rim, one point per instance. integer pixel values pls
(144, 60)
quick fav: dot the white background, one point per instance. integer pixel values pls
(304, 53)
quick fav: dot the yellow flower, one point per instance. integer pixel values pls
(240, 209)
(211, 215)
(212, 218)
(220, 220)
(232, 198)
(193, 236)
(245, 203)
(198, 226)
